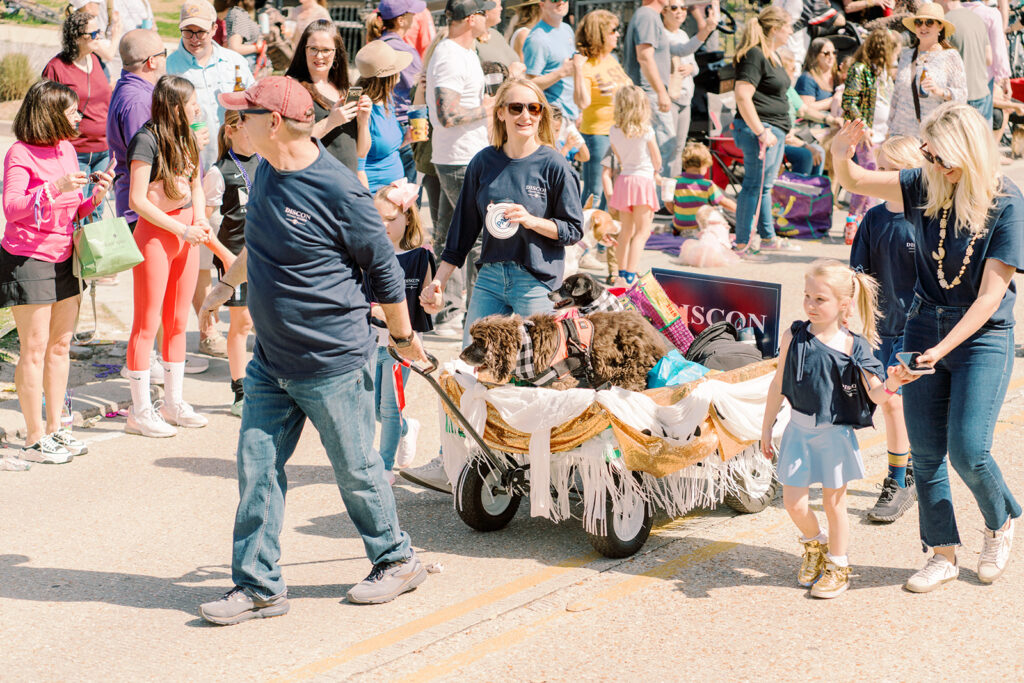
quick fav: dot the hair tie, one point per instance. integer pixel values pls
(402, 193)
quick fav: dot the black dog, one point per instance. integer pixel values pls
(585, 293)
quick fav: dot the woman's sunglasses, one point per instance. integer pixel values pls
(935, 159)
(828, 53)
(93, 35)
(516, 108)
(918, 23)
(676, 8)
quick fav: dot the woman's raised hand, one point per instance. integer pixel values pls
(71, 182)
(845, 142)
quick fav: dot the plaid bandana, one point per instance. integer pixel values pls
(524, 369)
(604, 303)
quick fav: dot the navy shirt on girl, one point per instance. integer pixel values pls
(1003, 241)
(545, 185)
(884, 248)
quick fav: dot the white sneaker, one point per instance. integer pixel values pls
(389, 476)
(406, 451)
(196, 364)
(64, 438)
(148, 423)
(47, 450)
(938, 571)
(183, 415)
(451, 329)
(431, 475)
(995, 551)
(156, 369)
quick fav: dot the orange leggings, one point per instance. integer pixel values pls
(165, 279)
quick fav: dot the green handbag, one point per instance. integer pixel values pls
(103, 248)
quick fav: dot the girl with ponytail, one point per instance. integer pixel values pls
(833, 383)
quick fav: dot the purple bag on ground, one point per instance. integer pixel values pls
(802, 205)
(647, 297)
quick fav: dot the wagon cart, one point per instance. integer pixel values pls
(620, 453)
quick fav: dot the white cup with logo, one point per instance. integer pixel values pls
(497, 225)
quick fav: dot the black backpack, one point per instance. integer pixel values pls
(718, 348)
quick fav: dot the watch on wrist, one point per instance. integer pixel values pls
(403, 342)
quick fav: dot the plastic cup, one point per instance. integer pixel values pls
(197, 125)
(418, 125)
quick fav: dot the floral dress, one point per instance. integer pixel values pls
(946, 68)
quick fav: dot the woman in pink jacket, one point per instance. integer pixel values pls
(42, 198)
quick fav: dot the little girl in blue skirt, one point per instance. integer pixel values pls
(833, 383)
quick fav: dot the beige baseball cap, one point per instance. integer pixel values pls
(198, 13)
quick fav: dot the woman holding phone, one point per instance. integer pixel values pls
(968, 222)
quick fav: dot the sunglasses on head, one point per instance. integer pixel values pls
(516, 108)
(918, 23)
(935, 159)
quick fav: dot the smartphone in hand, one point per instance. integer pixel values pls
(353, 95)
(908, 359)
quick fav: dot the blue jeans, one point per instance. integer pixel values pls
(598, 146)
(341, 410)
(886, 352)
(954, 411)
(93, 162)
(392, 425)
(503, 289)
(746, 202)
(801, 160)
(984, 104)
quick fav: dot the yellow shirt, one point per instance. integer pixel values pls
(603, 78)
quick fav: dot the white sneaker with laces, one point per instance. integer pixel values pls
(149, 423)
(431, 475)
(406, 451)
(64, 438)
(183, 415)
(48, 451)
(938, 571)
(995, 552)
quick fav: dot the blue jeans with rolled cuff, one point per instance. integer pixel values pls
(341, 409)
(951, 418)
(753, 167)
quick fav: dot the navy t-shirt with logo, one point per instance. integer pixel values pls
(311, 236)
(884, 248)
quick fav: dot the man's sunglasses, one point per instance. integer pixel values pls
(935, 159)
(918, 23)
(242, 113)
(516, 108)
(158, 54)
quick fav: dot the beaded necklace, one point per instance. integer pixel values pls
(940, 252)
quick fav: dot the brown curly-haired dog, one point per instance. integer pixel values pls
(625, 348)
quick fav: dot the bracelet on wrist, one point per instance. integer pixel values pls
(885, 386)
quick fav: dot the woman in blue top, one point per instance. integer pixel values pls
(380, 134)
(969, 229)
(538, 211)
(815, 85)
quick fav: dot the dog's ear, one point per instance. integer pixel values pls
(503, 348)
(580, 286)
(589, 204)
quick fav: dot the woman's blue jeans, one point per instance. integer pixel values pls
(753, 167)
(392, 425)
(954, 412)
(598, 146)
(503, 289)
(801, 160)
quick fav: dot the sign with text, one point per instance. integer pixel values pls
(707, 299)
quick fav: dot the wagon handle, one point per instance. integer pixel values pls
(420, 371)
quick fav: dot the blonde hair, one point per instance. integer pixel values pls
(957, 133)
(696, 155)
(755, 34)
(594, 32)
(545, 128)
(413, 235)
(632, 111)
(903, 151)
(848, 284)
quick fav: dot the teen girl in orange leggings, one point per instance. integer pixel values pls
(166, 192)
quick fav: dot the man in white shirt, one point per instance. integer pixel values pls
(459, 111)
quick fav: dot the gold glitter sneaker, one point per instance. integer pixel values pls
(833, 582)
(813, 562)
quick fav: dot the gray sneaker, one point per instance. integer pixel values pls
(237, 606)
(431, 475)
(387, 581)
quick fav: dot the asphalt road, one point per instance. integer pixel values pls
(104, 561)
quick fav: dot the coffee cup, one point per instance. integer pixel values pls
(418, 125)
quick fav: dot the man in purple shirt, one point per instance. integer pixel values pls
(145, 61)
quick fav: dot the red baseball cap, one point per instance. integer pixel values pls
(282, 94)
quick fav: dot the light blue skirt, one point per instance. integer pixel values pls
(827, 454)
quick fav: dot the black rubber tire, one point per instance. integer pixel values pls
(747, 504)
(610, 545)
(469, 500)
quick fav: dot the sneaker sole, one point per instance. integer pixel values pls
(831, 594)
(132, 430)
(886, 519)
(425, 484)
(991, 580)
(261, 613)
(929, 589)
(411, 585)
(46, 460)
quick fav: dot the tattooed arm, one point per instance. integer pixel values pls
(451, 113)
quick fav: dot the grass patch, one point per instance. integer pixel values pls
(167, 25)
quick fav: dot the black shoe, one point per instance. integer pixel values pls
(237, 606)
(893, 501)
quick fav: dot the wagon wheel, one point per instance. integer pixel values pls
(483, 502)
(627, 529)
(757, 490)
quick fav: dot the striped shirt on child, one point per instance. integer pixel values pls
(692, 192)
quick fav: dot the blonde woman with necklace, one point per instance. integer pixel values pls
(969, 229)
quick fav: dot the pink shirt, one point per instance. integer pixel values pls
(39, 224)
(422, 31)
(1000, 67)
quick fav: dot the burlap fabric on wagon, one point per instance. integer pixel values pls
(640, 452)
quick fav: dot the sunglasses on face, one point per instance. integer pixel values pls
(189, 33)
(93, 35)
(676, 8)
(918, 23)
(828, 53)
(516, 108)
(242, 114)
(935, 159)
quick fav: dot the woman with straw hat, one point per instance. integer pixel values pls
(380, 134)
(928, 74)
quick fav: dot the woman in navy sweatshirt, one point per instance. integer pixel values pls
(533, 198)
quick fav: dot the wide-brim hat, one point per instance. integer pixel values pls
(931, 10)
(377, 59)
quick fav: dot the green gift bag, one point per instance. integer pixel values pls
(104, 248)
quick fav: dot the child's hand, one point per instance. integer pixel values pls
(432, 298)
(900, 375)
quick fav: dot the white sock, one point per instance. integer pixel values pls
(174, 379)
(821, 538)
(839, 560)
(138, 381)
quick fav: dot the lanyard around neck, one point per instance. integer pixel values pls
(241, 169)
